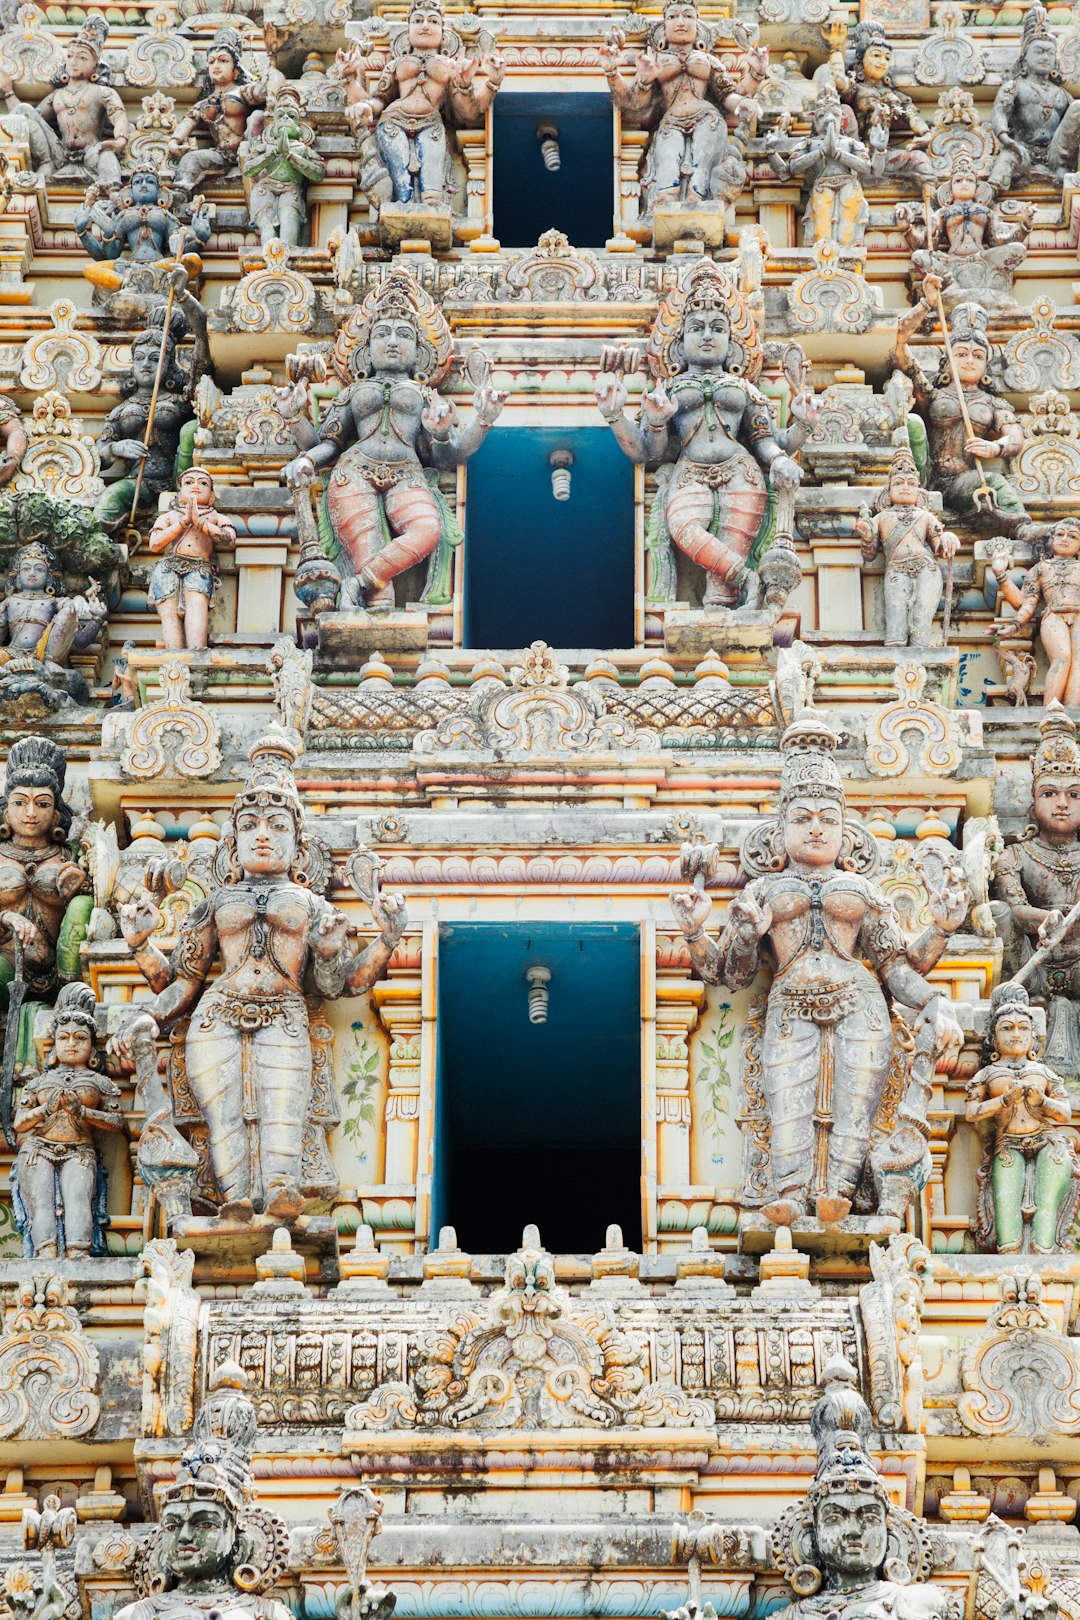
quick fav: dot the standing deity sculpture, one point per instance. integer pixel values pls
(912, 539)
(1054, 585)
(836, 162)
(144, 429)
(710, 433)
(848, 1551)
(428, 83)
(880, 108)
(973, 252)
(119, 230)
(41, 626)
(214, 1551)
(811, 908)
(278, 160)
(956, 458)
(225, 104)
(183, 583)
(58, 1181)
(385, 437)
(1036, 883)
(248, 1050)
(1036, 121)
(694, 168)
(1029, 1181)
(80, 130)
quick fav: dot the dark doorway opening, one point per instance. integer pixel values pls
(578, 197)
(561, 571)
(538, 1122)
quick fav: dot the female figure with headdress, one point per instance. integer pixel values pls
(1036, 121)
(879, 107)
(973, 252)
(996, 429)
(248, 1049)
(812, 907)
(128, 434)
(383, 430)
(41, 626)
(706, 421)
(912, 538)
(1029, 1180)
(119, 230)
(80, 130)
(58, 1182)
(692, 160)
(227, 98)
(42, 900)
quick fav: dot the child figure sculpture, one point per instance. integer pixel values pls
(912, 539)
(1054, 582)
(182, 584)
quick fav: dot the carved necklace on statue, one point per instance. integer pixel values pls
(1063, 864)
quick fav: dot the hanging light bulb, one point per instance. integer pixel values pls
(547, 134)
(560, 462)
(538, 979)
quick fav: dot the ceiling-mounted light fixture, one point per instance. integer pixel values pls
(560, 462)
(547, 134)
(538, 979)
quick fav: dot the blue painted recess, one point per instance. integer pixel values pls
(538, 1122)
(579, 198)
(535, 567)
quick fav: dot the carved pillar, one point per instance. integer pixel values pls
(630, 147)
(678, 1000)
(838, 564)
(475, 146)
(397, 1001)
(260, 566)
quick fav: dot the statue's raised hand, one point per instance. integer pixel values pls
(19, 927)
(138, 920)
(692, 908)
(140, 1026)
(747, 917)
(298, 472)
(610, 52)
(949, 905)
(658, 407)
(610, 391)
(391, 915)
(331, 934)
(488, 404)
(786, 474)
(438, 417)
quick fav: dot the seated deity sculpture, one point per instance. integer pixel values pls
(120, 231)
(227, 97)
(80, 130)
(41, 626)
(880, 108)
(1035, 120)
(972, 250)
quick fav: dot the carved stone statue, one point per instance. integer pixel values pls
(912, 539)
(428, 82)
(14, 438)
(119, 231)
(182, 584)
(227, 98)
(705, 415)
(1036, 121)
(693, 166)
(1053, 585)
(214, 1549)
(277, 159)
(828, 1041)
(248, 1048)
(130, 435)
(384, 436)
(997, 431)
(1036, 883)
(43, 903)
(880, 108)
(1029, 1181)
(58, 1184)
(836, 162)
(40, 627)
(974, 252)
(80, 130)
(848, 1551)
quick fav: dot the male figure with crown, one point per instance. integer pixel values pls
(80, 129)
(248, 1048)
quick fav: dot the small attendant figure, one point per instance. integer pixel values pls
(183, 583)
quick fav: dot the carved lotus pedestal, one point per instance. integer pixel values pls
(343, 637)
(708, 226)
(398, 224)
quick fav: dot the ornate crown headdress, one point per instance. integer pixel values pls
(227, 39)
(75, 1005)
(271, 784)
(705, 286)
(809, 769)
(1036, 26)
(903, 462)
(92, 36)
(1009, 998)
(398, 296)
(36, 762)
(969, 323)
(216, 1467)
(1057, 757)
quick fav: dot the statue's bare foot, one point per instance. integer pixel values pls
(784, 1212)
(237, 1209)
(285, 1202)
(833, 1209)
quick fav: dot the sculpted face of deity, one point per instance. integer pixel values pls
(265, 842)
(970, 362)
(875, 62)
(1065, 540)
(904, 488)
(964, 186)
(1040, 58)
(680, 24)
(813, 831)
(73, 1045)
(145, 189)
(197, 1540)
(852, 1534)
(393, 346)
(1014, 1034)
(34, 574)
(144, 361)
(425, 30)
(1057, 809)
(31, 814)
(706, 339)
(221, 67)
(81, 63)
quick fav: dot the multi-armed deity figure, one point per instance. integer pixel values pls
(956, 458)
(973, 252)
(248, 1047)
(1036, 884)
(80, 130)
(385, 428)
(1036, 121)
(693, 165)
(277, 160)
(227, 98)
(912, 539)
(848, 1551)
(214, 1550)
(880, 108)
(811, 904)
(836, 162)
(1029, 1181)
(119, 231)
(39, 880)
(426, 84)
(41, 626)
(1054, 585)
(58, 1183)
(705, 415)
(182, 584)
